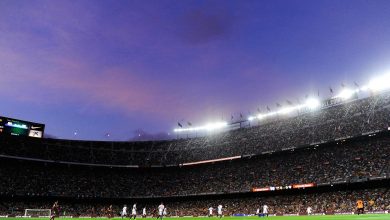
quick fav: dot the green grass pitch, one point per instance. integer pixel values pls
(322, 217)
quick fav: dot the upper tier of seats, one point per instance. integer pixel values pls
(350, 119)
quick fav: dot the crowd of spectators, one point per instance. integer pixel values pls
(344, 120)
(377, 199)
(339, 162)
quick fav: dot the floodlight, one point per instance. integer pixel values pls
(213, 126)
(286, 110)
(364, 88)
(208, 127)
(312, 103)
(377, 84)
(346, 94)
(260, 116)
(270, 114)
(380, 83)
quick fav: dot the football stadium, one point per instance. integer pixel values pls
(70, 70)
(317, 161)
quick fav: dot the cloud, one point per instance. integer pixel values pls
(52, 58)
(67, 80)
(49, 60)
(204, 24)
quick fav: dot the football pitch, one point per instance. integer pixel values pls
(320, 217)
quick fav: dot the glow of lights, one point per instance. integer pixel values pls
(346, 94)
(312, 103)
(380, 83)
(288, 109)
(207, 127)
(260, 116)
(377, 84)
(364, 88)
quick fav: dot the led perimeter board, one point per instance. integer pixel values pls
(10, 126)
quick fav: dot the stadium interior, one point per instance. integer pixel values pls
(326, 158)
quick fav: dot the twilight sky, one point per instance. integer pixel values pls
(129, 67)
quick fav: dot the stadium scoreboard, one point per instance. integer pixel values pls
(16, 127)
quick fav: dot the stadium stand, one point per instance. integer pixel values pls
(337, 162)
(350, 119)
(343, 144)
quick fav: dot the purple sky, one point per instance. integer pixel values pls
(128, 66)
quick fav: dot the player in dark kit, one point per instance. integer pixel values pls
(55, 211)
(103, 212)
(110, 212)
(93, 212)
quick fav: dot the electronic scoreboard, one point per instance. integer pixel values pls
(10, 126)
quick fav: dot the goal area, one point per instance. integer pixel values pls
(37, 212)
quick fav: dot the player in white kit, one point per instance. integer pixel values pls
(124, 211)
(144, 212)
(265, 210)
(165, 211)
(211, 211)
(134, 211)
(309, 210)
(258, 212)
(160, 209)
(219, 211)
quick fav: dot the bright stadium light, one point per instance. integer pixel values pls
(207, 127)
(217, 125)
(312, 103)
(260, 116)
(269, 114)
(380, 83)
(287, 110)
(364, 88)
(346, 94)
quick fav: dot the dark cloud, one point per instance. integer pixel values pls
(204, 25)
